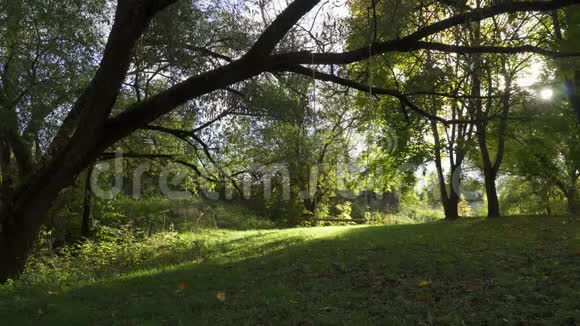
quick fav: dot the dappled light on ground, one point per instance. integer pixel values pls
(517, 269)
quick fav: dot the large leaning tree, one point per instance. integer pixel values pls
(89, 128)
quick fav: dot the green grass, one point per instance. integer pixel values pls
(508, 271)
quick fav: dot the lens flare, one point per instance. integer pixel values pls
(546, 94)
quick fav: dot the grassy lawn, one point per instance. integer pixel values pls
(508, 271)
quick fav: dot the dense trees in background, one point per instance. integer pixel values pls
(470, 98)
(210, 88)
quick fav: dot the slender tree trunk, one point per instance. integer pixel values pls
(492, 197)
(6, 181)
(548, 204)
(573, 91)
(571, 86)
(489, 178)
(451, 207)
(87, 221)
(309, 207)
(573, 205)
(491, 168)
(576, 100)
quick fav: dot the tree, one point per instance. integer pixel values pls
(495, 75)
(547, 148)
(569, 71)
(90, 127)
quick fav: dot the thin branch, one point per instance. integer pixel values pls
(459, 49)
(111, 156)
(375, 90)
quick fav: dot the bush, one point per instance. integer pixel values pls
(344, 210)
(464, 207)
(422, 214)
(91, 260)
(154, 214)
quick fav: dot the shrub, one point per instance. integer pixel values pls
(344, 210)
(464, 207)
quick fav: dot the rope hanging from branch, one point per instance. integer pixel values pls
(314, 120)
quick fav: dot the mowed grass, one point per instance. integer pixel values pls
(506, 271)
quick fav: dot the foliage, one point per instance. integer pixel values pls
(464, 208)
(546, 153)
(344, 210)
(532, 196)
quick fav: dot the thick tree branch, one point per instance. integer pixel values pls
(94, 105)
(255, 62)
(281, 25)
(76, 144)
(412, 41)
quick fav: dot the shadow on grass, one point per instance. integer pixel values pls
(447, 273)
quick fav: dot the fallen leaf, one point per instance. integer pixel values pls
(424, 284)
(221, 296)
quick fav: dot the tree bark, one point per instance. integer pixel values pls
(492, 198)
(6, 181)
(17, 236)
(571, 86)
(575, 96)
(573, 205)
(22, 216)
(491, 168)
(13, 253)
(451, 207)
(449, 199)
(87, 221)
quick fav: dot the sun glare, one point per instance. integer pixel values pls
(546, 94)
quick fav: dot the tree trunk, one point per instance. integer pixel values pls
(17, 236)
(571, 86)
(5, 175)
(450, 206)
(490, 186)
(23, 215)
(548, 205)
(87, 221)
(573, 206)
(574, 95)
(492, 198)
(491, 168)
(13, 254)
